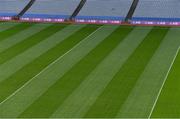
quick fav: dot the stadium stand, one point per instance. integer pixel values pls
(158, 12)
(161, 10)
(105, 9)
(11, 7)
(55, 9)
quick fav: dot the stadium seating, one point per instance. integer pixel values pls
(158, 10)
(96, 9)
(105, 9)
(147, 10)
(11, 7)
(55, 9)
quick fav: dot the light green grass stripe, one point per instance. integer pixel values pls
(71, 80)
(6, 25)
(14, 30)
(7, 43)
(78, 103)
(167, 104)
(24, 97)
(31, 41)
(141, 99)
(118, 89)
(13, 65)
(19, 78)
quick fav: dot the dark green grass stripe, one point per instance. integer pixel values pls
(29, 42)
(14, 30)
(56, 94)
(168, 104)
(14, 82)
(117, 91)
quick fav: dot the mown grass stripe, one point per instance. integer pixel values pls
(29, 42)
(6, 25)
(14, 30)
(15, 64)
(167, 103)
(20, 77)
(58, 92)
(78, 103)
(147, 86)
(117, 91)
(23, 35)
(33, 89)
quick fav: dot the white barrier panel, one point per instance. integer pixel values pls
(60, 20)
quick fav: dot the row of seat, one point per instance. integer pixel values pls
(96, 9)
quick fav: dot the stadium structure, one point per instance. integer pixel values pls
(89, 59)
(147, 12)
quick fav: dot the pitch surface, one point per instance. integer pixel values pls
(58, 70)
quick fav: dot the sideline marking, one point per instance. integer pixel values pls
(19, 89)
(172, 63)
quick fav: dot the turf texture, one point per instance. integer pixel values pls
(94, 71)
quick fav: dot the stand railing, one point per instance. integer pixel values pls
(26, 8)
(77, 10)
(131, 11)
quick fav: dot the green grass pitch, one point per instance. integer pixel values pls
(89, 71)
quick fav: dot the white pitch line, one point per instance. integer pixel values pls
(175, 56)
(48, 67)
